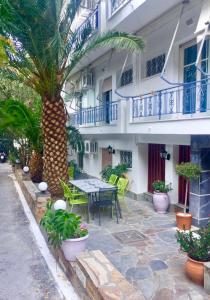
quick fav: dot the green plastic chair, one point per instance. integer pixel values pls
(122, 185)
(71, 172)
(113, 179)
(73, 197)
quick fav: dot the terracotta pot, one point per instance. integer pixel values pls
(72, 247)
(183, 220)
(161, 202)
(195, 270)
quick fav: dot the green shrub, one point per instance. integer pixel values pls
(119, 170)
(188, 170)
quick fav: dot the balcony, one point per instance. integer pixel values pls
(180, 102)
(96, 116)
(87, 28)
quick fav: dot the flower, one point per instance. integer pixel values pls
(83, 226)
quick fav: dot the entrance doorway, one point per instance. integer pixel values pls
(184, 156)
(106, 158)
(156, 165)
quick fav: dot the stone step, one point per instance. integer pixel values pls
(102, 280)
(148, 196)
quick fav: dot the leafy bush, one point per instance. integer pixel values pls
(61, 225)
(196, 244)
(161, 186)
(119, 170)
(188, 170)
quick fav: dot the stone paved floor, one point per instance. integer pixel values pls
(23, 271)
(144, 249)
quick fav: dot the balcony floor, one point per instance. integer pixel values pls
(143, 248)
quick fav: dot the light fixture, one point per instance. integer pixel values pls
(26, 169)
(43, 186)
(165, 155)
(60, 204)
(110, 150)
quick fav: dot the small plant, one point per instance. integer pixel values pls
(161, 186)
(61, 225)
(189, 171)
(12, 158)
(119, 170)
(195, 244)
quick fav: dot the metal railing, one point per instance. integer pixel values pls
(98, 115)
(115, 4)
(88, 27)
(187, 99)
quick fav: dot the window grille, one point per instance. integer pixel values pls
(126, 158)
(155, 65)
(127, 77)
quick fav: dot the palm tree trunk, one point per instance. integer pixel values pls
(55, 143)
(36, 166)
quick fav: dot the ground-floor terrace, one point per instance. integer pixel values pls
(154, 157)
(143, 248)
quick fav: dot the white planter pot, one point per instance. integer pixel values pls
(73, 247)
(161, 202)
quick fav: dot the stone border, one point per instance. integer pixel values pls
(92, 275)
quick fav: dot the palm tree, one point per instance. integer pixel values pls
(23, 124)
(47, 51)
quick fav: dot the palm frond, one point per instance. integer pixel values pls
(118, 40)
(75, 139)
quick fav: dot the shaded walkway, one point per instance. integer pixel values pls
(23, 271)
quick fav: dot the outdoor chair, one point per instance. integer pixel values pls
(122, 185)
(106, 198)
(113, 179)
(71, 172)
(73, 197)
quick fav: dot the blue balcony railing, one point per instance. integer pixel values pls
(98, 115)
(88, 27)
(188, 99)
(116, 4)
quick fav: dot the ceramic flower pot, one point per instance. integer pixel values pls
(161, 202)
(183, 220)
(195, 270)
(73, 247)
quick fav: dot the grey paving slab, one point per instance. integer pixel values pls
(24, 274)
(153, 263)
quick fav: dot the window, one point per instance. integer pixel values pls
(155, 65)
(126, 158)
(127, 77)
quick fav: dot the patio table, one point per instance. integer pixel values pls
(91, 187)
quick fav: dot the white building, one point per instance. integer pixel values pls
(156, 116)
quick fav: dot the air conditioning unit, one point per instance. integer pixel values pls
(87, 80)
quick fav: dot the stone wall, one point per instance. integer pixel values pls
(200, 188)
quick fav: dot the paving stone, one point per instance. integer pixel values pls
(138, 273)
(157, 265)
(147, 287)
(164, 294)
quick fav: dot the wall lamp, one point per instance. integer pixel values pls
(165, 155)
(110, 150)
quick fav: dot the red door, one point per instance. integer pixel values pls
(184, 156)
(156, 165)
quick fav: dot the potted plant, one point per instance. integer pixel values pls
(65, 229)
(197, 246)
(160, 196)
(189, 171)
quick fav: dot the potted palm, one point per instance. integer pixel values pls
(65, 230)
(160, 196)
(197, 246)
(189, 171)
